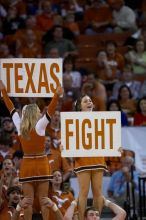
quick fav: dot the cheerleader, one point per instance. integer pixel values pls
(34, 170)
(89, 169)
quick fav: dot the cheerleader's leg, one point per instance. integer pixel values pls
(42, 191)
(28, 191)
(96, 185)
(84, 178)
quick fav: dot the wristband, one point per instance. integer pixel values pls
(18, 208)
(74, 203)
(106, 202)
(54, 208)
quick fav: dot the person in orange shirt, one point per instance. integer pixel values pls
(6, 150)
(13, 195)
(115, 59)
(7, 176)
(35, 169)
(99, 88)
(97, 18)
(10, 132)
(20, 35)
(105, 72)
(113, 63)
(62, 198)
(72, 24)
(88, 169)
(53, 129)
(30, 48)
(45, 20)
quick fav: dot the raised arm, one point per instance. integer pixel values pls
(69, 214)
(43, 122)
(6, 98)
(53, 103)
(120, 213)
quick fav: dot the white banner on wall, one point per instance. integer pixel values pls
(134, 138)
(31, 77)
(90, 134)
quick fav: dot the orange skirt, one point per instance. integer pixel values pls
(35, 169)
(89, 163)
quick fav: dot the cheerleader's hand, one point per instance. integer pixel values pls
(25, 202)
(2, 86)
(120, 150)
(59, 90)
(61, 147)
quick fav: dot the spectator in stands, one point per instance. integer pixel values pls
(118, 184)
(6, 150)
(7, 173)
(8, 207)
(45, 20)
(65, 47)
(20, 6)
(137, 57)
(110, 63)
(17, 158)
(30, 48)
(127, 78)
(71, 23)
(52, 53)
(127, 103)
(72, 6)
(10, 131)
(63, 198)
(140, 115)
(6, 179)
(104, 70)
(97, 17)
(99, 89)
(69, 69)
(67, 33)
(30, 24)
(113, 105)
(54, 129)
(56, 161)
(124, 18)
(70, 94)
(115, 59)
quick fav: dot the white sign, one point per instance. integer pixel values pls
(31, 77)
(90, 134)
(134, 138)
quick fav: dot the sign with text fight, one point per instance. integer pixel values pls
(31, 77)
(90, 134)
